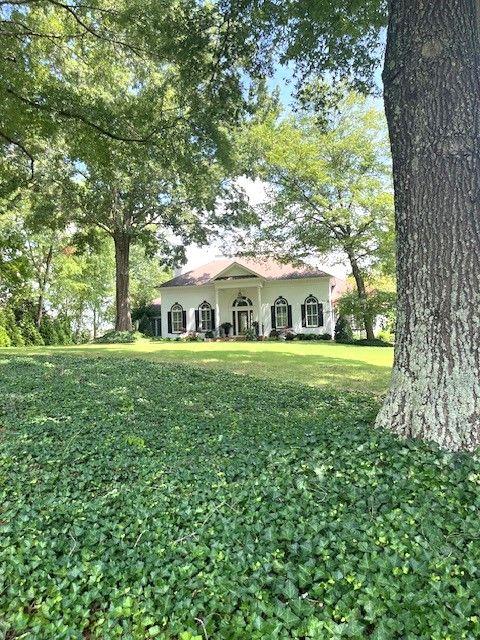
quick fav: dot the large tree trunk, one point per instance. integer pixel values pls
(362, 294)
(123, 319)
(432, 99)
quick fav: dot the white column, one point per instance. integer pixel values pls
(217, 312)
(259, 309)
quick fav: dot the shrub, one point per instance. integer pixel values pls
(192, 336)
(343, 330)
(386, 336)
(376, 342)
(4, 338)
(145, 325)
(325, 336)
(250, 334)
(209, 334)
(13, 330)
(119, 337)
(289, 335)
(48, 332)
(82, 337)
(30, 333)
(274, 334)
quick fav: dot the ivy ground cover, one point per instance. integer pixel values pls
(142, 500)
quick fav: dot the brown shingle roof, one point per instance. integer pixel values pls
(265, 268)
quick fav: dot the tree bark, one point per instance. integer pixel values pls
(432, 97)
(362, 294)
(42, 285)
(123, 319)
(95, 321)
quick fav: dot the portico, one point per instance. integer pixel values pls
(240, 305)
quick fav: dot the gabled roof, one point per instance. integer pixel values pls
(266, 268)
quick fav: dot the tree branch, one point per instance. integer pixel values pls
(22, 148)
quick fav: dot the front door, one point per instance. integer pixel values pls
(243, 321)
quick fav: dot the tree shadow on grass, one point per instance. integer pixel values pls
(316, 370)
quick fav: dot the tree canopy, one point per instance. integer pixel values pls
(327, 189)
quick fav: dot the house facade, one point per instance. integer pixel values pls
(231, 296)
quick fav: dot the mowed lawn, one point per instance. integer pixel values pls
(148, 500)
(364, 369)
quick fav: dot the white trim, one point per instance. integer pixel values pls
(235, 264)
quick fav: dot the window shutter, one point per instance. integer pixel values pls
(213, 319)
(320, 314)
(234, 326)
(274, 322)
(197, 319)
(289, 316)
(184, 320)
(169, 322)
(304, 316)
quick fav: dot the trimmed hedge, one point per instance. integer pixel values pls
(142, 500)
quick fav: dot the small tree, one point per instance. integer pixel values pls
(328, 189)
(378, 302)
(138, 201)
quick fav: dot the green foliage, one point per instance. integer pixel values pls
(343, 330)
(144, 314)
(377, 342)
(377, 303)
(250, 334)
(13, 330)
(277, 506)
(313, 336)
(48, 331)
(63, 329)
(30, 332)
(5, 340)
(386, 336)
(119, 337)
(192, 336)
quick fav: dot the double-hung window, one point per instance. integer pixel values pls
(281, 313)
(205, 318)
(177, 318)
(311, 311)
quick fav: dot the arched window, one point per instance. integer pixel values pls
(177, 318)
(311, 312)
(205, 317)
(242, 301)
(281, 313)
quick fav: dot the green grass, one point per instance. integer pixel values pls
(143, 500)
(365, 369)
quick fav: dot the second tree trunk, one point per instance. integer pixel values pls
(123, 319)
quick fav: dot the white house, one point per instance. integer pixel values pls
(260, 294)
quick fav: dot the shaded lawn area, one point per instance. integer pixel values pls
(365, 369)
(142, 500)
